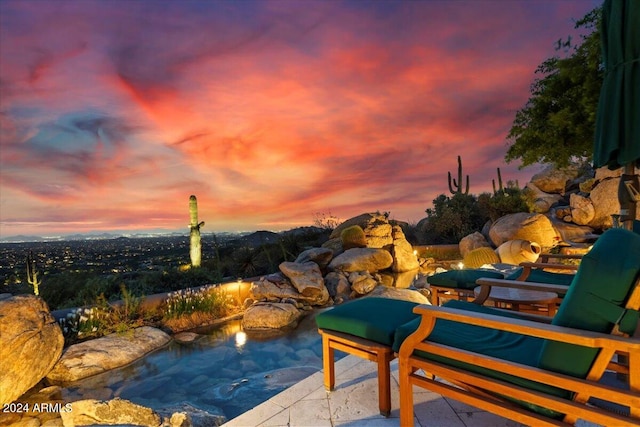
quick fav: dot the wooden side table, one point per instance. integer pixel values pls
(522, 300)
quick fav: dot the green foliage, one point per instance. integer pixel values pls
(104, 318)
(246, 262)
(452, 218)
(65, 289)
(507, 201)
(353, 237)
(557, 124)
(205, 300)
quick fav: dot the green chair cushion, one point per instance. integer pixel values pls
(595, 300)
(540, 276)
(372, 318)
(504, 345)
(462, 279)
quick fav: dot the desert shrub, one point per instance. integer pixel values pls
(504, 202)
(452, 218)
(103, 317)
(206, 300)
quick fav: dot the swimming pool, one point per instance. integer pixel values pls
(226, 372)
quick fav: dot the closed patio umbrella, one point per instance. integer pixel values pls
(617, 139)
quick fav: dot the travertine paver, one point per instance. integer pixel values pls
(354, 402)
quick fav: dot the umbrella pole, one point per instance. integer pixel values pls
(628, 195)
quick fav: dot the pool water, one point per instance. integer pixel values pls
(225, 372)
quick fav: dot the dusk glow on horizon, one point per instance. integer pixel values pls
(112, 113)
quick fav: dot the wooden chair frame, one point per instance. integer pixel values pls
(482, 391)
(381, 354)
(439, 292)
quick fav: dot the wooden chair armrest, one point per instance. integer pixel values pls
(528, 286)
(524, 327)
(544, 265)
(546, 256)
(486, 284)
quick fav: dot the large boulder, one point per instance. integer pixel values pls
(183, 414)
(604, 197)
(337, 285)
(402, 294)
(362, 282)
(404, 258)
(376, 226)
(307, 279)
(542, 201)
(472, 241)
(572, 233)
(109, 352)
(113, 412)
(273, 287)
(524, 226)
(364, 220)
(362, 259)
(270, 315)
(321, 256)
(582, 209)
(31, 343)
(553, 180)
(379, 235)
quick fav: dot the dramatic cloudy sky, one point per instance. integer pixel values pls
(113, 112)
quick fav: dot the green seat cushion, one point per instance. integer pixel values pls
(480, 342)
(372, 318)
(540, 276)
(504, 345)
(595, 300)
(462, 279)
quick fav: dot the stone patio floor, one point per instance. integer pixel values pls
(354, 402)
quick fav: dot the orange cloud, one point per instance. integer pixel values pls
(268, 111)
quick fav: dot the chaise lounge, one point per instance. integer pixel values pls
(535, 372)
(549, 370)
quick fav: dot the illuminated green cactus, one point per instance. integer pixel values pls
(458, 183)
(479, 257)
(195, 249)
(32, 274)
(353, 237)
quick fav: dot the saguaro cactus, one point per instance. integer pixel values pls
(195, 249)
(458, 183)
(33, 273)
(500, 188)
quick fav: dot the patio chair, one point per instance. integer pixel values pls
(532, 372)
(460, 284)
(364, 328)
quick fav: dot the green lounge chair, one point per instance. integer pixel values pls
(460, 284)
(532, 372)
(365, 328)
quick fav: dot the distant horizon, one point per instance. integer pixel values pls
(114, 113)
(138, 233)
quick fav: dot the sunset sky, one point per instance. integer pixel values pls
(113, 112)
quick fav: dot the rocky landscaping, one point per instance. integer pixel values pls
(368, 255)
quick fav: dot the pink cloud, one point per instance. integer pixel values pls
(269, 114)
